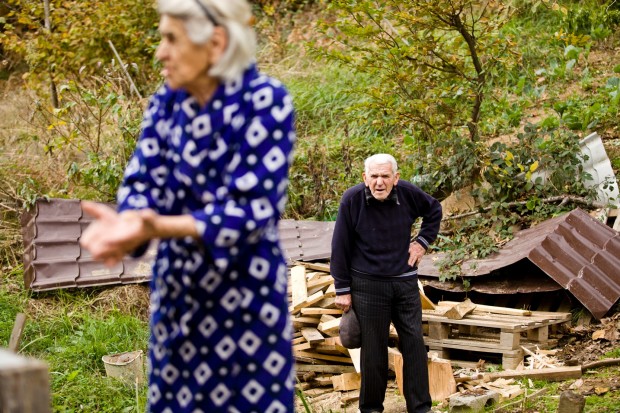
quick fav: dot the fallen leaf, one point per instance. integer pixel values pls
(601, 390)
(598, 334)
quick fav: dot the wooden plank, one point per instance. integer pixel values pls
(393, 353)
(347, 381)
(320, 356)
(324, 381)
(317, 266)
(333, 342)
(312, 335)
(324, 368)
(299, 289)
(355, 354)
(24, 384)
(298, 340)
(492, 309)
(302, 347)
(482, 322)
(320, 311)
(330, 327)
(313, 299)
(327, 302)
(16, 334)
(460, 310)
(300, 322)
(320, 283)
(427, 304)
(554, 374)
(398, 370)
(331, 291)
(492, 346)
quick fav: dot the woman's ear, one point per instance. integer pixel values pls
(218, 43)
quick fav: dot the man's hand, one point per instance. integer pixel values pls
(416, 252)
(343, 302)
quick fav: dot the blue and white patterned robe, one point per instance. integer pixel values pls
(220, 330)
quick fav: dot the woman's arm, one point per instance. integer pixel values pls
(113, 234)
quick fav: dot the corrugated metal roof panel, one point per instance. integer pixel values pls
(54, 259)
(577, 251)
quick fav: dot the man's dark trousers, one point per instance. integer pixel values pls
(376, 303)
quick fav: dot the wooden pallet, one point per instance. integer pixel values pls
(487, 332)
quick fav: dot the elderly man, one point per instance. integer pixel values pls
(374, 265)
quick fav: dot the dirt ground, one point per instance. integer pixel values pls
(578, 345)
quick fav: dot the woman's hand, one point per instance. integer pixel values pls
(114, 235)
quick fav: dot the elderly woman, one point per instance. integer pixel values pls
(209, 179)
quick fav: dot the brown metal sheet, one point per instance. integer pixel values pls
(577, 251)
(54, 259)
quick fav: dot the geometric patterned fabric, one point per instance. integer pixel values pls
(220, 329)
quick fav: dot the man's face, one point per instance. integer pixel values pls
(380, 180)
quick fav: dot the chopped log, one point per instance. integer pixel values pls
(571, 402)
(440, 379)
(16, 334)
(24, 384)
(347, 381)
(460, 310)
(601, 363)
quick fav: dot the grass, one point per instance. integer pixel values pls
(71, 330)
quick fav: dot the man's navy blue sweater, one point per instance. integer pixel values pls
(371, 238)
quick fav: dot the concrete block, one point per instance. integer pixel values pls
(473, 401)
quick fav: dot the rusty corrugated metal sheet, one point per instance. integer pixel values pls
(575, 250)
(54, 259)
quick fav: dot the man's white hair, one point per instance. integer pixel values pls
(380, 158)
(233, 15)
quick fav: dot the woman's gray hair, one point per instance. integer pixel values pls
(232, 15)
(380, 158)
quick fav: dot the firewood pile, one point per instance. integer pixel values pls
(323, 365)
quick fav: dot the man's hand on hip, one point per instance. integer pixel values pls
(416, 252)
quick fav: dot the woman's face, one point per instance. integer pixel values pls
(185, 63)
